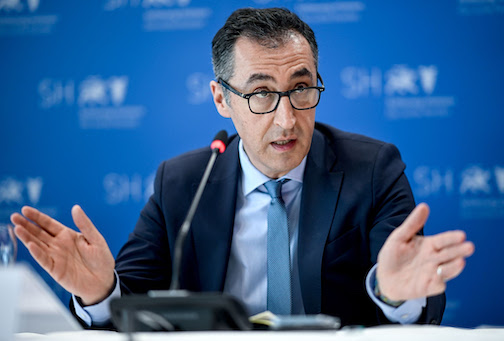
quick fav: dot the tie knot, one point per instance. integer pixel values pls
(274, 188)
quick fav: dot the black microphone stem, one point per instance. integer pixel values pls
(184, 229)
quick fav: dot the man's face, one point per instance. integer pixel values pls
(278, 141)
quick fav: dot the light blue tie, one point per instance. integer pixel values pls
(279, 270)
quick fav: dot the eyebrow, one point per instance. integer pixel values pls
(301, 73)
(258, 77)
(262, 76)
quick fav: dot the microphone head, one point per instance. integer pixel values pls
(220, 141)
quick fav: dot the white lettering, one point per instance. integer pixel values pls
(55, 92)
(360, 82)
(122, 188)
(432, 181)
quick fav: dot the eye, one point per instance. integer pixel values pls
(300, 89)
(262, 94)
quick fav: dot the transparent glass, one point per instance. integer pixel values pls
(8, 245)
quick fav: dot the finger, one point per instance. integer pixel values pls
(39, 233)
(26, 237)
(413, 223)
(447, 239)
(52, 226)
(85, 225)
(450, 270)
(452, 252)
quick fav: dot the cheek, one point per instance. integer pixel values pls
(255, 128)
(308, 123)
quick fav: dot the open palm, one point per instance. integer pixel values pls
(80, 262)
(412, 266)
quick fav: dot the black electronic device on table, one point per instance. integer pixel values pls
(178, 311)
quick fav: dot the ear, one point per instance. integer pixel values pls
(219, 100)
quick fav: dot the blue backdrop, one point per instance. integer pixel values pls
(95, 94)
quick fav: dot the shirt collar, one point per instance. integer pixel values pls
(253, 178)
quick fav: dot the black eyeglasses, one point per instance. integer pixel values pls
(264, 102)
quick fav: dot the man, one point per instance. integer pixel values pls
(342, 198)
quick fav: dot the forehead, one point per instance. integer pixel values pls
(255, 62)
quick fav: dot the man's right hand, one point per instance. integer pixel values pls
(80, 262)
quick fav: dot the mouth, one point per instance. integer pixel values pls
(283, 145)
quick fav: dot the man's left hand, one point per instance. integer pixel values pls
(412, 266)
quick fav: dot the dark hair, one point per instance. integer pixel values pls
(269, 26)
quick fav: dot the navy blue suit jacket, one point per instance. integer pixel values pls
(354, 194)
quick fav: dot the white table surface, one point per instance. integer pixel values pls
(385, 333)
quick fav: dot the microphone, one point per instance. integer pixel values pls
(176, 309)
(218, 146)
(220, 141)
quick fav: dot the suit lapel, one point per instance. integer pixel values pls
(320, 194)
(212, 227)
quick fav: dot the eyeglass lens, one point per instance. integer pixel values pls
(300, 99)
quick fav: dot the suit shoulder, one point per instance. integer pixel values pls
(356, 149)
(191, 165)
(336, 137)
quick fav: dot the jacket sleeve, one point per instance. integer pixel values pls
(144, 262)
(392, 203)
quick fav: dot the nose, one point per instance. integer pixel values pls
(285, 114)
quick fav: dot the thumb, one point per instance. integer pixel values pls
(85, 225)
(413, 223)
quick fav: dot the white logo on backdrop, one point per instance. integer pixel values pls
(22, 20)
(165, 3)
(499, 178)
(33, 5)
(475, 180)
(124, 188)
(55, 92)
(96, 91)
(101, 104)
(428, 78)
(262, 2)
(360, 82)
(11, 5)
(408, 91)
(480, 191)
(100, 100)
(401, 80)
(480, 7)
(93, 91)
(431, 181)
(199, 89)
(18, 6)
(165, 15)
(118, 87)
(112, 5)
(34, 188)
(11, 190)
(15, 193)
(330, 12)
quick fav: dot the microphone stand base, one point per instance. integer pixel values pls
(176, 310)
